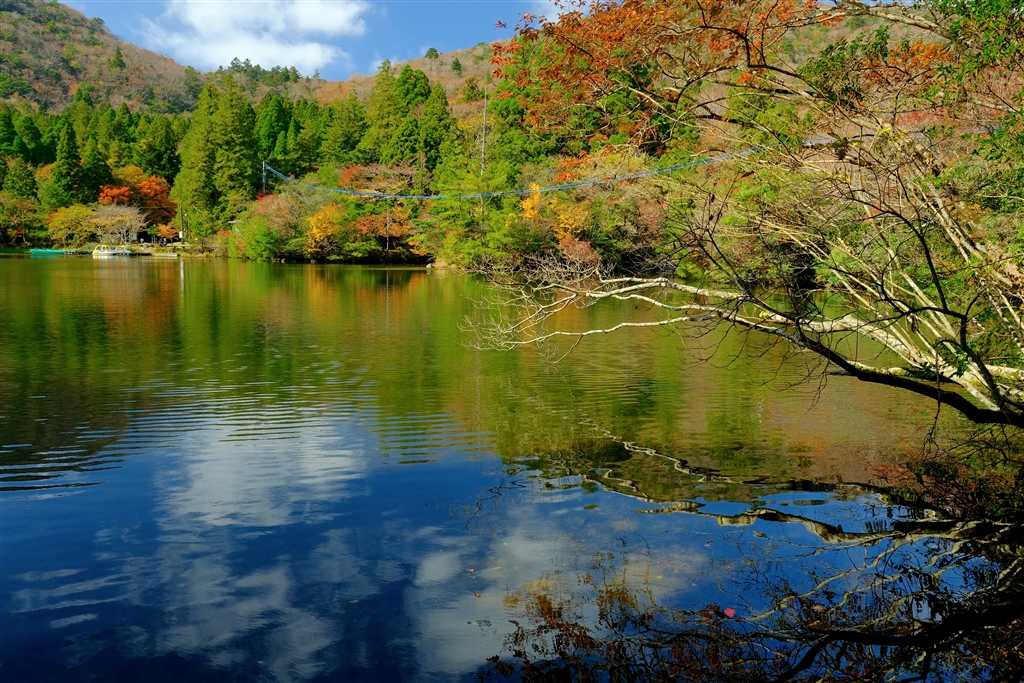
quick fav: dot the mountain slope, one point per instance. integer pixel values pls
(49, 50)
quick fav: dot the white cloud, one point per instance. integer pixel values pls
(273, 33)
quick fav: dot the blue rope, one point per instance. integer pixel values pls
(550, 188)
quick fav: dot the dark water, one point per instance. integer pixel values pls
(241, 472)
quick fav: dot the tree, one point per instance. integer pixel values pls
(156, 151)
(347, 124)
(404, 144)
(20, 181)
(117, 61)
(194, 188)
(857, 183)
(413, 86)
(456, 66)
(385, 110)
(435, 125)
(71, 226)
(116, 223)
(65, 181)
(432, 53)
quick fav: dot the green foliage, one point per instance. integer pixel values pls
(65, 183)
(432, 53)
(413, 86)
(346, 127)
(117, 61)
(457, 67)
(20, 181)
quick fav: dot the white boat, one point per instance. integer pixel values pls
(103, 251)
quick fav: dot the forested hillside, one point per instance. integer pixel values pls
(421, 130)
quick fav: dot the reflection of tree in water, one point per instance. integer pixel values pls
(936, 598)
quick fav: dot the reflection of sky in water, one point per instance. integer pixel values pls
(279, 531)
(310, 555)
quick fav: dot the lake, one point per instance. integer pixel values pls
(225, 471)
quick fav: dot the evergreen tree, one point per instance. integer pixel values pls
(404, 144)
(156, 152)
(432, 53)
(193, 186)
(117, 61)
(95, 173)
(413, 86)
(436, 125)
(273, 119)
(386, 108)
(344, 131)
(236, 164)
(66, 174)
(7, 132)
(457, 66)
(20, 182)
(32, 140)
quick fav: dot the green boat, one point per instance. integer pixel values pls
(51, 252)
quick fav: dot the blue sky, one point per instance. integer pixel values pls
(336, 37)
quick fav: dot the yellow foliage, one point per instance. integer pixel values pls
(531, 204)
(569, 219)
(324, 226)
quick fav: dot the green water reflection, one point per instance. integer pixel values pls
(78, 334)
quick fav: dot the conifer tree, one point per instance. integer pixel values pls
(404, 144)
(236, 164)
(386, 108)
(20, 182)
(32, 140)
(156, 151)
(66, 174)
(95, 173)
(193, 186)
(344, 131)
(273, 119)
(436, 125)
(117, 61)
(457, 67)
(413, 86)
(7, 132)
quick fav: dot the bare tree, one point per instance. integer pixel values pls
(868, 220)
(118, 223)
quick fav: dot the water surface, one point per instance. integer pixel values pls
(242, 472)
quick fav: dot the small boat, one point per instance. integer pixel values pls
(161, 254)
(103, 251)
(52, 252)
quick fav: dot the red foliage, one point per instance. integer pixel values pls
(115, 194)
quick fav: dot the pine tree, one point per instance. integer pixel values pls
(20, 182)
(345, 130)
(436, 125)
(7, 132)
(95, 173)
(65, 175)
(432, 53)
(156, 152)
(193, 186)
(404, 144)
(32, 140)
(273, 119)
(236, 164)
(117, 61)
(457, 66)
(413, 86)
(385, 111)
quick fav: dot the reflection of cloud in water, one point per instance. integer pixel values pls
(262, 483)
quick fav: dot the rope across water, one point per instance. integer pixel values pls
(550, 188)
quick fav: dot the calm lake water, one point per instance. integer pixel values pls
(220, 471)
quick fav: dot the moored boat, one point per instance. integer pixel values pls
(51, 252)
(103, 251)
